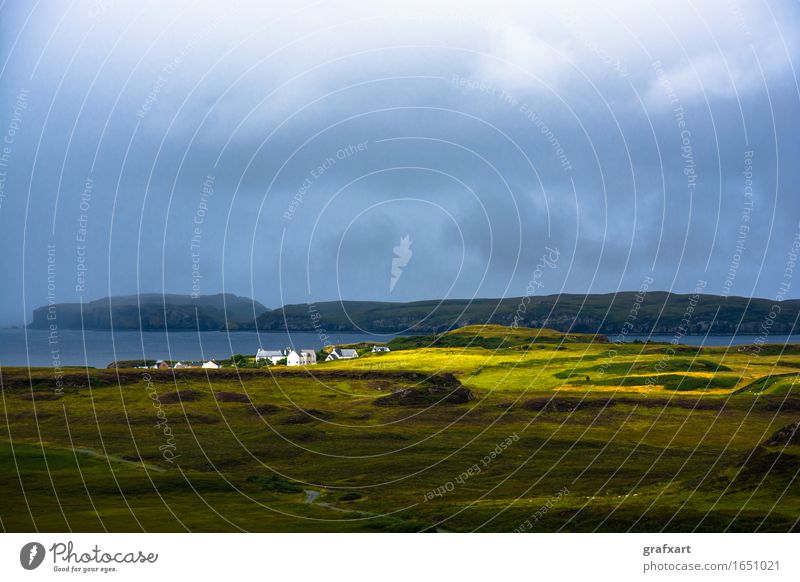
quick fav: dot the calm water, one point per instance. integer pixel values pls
(20, 347)
(715, 340)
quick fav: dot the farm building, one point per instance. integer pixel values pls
(341, 354)
(293, 357)
(301, 357)
(274, 356)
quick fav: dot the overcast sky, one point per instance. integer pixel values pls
(189, 146)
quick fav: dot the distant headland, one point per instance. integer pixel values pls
(629, 312)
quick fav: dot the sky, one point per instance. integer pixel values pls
(308, 151)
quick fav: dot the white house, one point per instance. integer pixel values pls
(301, 357)
(293, 357)
(380, 349)
(210, 364)
(274, 356)
(341, 354)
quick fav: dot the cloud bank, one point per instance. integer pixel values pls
(283, 151)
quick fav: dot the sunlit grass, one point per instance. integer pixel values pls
(618, 441)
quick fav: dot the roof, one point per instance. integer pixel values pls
(270, 354)
(348, 353)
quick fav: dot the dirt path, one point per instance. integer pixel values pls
(99, 455)
(312, 496)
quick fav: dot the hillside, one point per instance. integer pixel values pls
(153, 311)
(491, 337)
(659, 313)
(607, 314)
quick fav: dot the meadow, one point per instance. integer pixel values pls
(484, 429)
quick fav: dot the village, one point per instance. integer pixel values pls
(288, 356)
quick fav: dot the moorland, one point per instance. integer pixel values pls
(485, 428)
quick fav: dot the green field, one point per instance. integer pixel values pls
(490, 430)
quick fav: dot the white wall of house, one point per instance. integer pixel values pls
(293, 358)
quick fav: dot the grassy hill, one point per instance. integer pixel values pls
(491, 336)
(152, 311)
(659, 313)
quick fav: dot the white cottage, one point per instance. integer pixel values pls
(274, 356)
(293, 357)
(301, 357)
(341, 354)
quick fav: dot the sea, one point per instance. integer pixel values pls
(97, 349)
(715, 340)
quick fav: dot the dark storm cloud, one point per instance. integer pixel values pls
(617, 134)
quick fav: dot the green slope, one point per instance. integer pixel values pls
(659, 313)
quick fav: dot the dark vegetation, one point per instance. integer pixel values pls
(426, 396)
